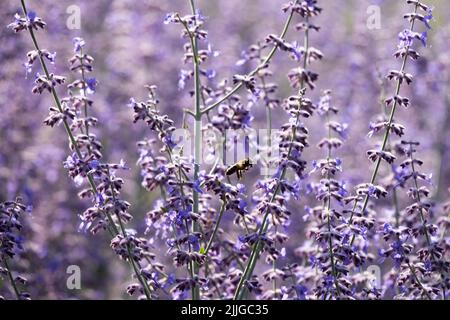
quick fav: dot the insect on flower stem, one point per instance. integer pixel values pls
(264, 225)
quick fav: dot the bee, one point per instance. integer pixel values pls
(239, 167)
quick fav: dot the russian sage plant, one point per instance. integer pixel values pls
(233, 201)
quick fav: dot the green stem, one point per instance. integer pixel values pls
(11, 279)
(216, 227)
(330, 240)
(197, 137)
(416, 185)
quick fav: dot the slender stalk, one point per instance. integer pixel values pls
(254, 71)
(416, 185)
(254, 256)
(11, 279)
(330, 240)
(216, 227)
(382, 97)
(386, 134)
(197, 138)
(193, 268)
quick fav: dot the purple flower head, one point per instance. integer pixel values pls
(296, 51)
(94, 164)
(242, 205)
(131, 105)
(428, 17)
(387, 228)
(183, 215)
(99, 200)
(199, 16)
(171, 17)
(184, 76)
(343, 130)
(78, 43)
(424, 38)
(210, 73)
(28, 68)
(328, 281)
(169, 142)
(123, 165)
(194, 240)
(244, 58)
(241, 188)
(91, 85)
(406, 38)
(51, 57)
(171, 243)
(301, 291)
(84, 225)
(78, 180)
(16, 18)
(31, 16)
(71, 161)
(211, 52)
(196, 185)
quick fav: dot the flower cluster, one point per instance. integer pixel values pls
(271, 212)
(108, 211)
(415, 246)
(328, 225)
(387, 124)
(307, 227)
(11, 244)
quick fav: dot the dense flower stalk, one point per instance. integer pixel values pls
(11, 245)
(404, 52)
(84, 162)
(293, 140)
